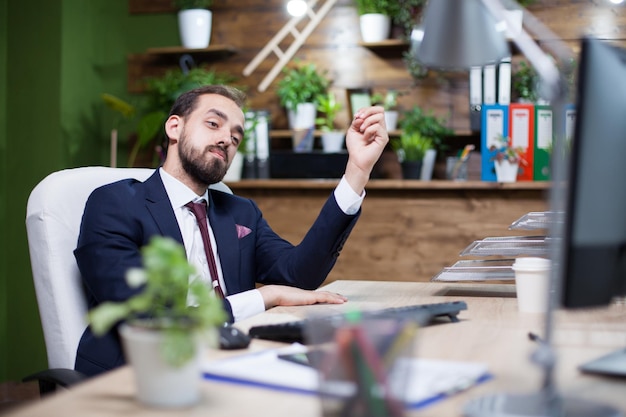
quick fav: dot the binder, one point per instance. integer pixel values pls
(476, 96)
(542, 142)
(495, 123)
(522, 134)
(489, 84)
(570, 122)
(504, 81)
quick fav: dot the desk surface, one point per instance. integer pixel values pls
(491, 331)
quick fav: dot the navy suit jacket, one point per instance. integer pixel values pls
(120, 218)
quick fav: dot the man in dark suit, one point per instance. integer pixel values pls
(204, 129)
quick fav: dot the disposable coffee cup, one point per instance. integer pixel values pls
(532, 283)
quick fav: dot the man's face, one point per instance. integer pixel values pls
(210, 137)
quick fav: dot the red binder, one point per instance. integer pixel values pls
(522, 134)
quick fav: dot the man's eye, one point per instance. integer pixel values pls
(212, 124)
(235, 140)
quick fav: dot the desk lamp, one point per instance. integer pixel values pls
(462, 34)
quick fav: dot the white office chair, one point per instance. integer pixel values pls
(53, 216)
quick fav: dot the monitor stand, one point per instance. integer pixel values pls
(613, 364)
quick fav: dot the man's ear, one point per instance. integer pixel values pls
(173, 127)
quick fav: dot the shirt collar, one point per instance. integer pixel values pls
(178, 192)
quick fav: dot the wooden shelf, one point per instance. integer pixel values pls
(155, 61)
(389, 48)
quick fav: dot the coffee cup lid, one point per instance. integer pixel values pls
(531, 263)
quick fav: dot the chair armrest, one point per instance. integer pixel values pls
(49, 379)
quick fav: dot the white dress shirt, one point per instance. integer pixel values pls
(247, 303)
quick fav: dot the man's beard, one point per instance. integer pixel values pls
(202, 167)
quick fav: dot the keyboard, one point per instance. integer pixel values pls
(295, 331)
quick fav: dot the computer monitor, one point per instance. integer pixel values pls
(594, 232)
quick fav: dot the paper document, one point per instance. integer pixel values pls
(430, 380)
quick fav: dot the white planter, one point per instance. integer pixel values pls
(195, 28)
(506, 171)
(375, 27)
(428, 165)
(391, 119)
(303, 117)
(160, 384)
(235, 169)
(332, 142)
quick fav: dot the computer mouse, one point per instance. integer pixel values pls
(233, 338)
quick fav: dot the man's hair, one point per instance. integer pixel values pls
(186, 102)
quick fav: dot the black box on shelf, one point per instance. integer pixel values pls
(314, 164)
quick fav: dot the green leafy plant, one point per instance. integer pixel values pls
(388, 101)
(386, 7)
(525, 82)
(163, 302)
(504, 151)
(192, 4)
(427, 125)
(160, 95)
(329, 107)
(405, 13)
(301, 83)
(412, 146)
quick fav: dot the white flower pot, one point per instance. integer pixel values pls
(428, 165)
(506, 171)
(195, 28)
(303, 117)
(391, 119)
(158, 383)
(235, 169)
(375, 27)
(332, 142)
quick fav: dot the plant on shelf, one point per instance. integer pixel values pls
(412, 146)
(192, 4)
(386, 7)
(525, 82)
(329, 107)
(162, 304)
(389, 102)
(160, 94)
(505, 152)
(301, 83)
(427, 125)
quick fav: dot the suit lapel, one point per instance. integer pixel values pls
(159, 206)
(225, 232)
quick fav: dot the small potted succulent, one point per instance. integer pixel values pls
(164, 326)
(389, 102)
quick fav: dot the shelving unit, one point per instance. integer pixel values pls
(154, 61)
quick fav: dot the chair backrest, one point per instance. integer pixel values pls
(53, 216)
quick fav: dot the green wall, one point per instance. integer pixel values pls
(56, 58)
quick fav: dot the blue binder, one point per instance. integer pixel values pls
(494, 123)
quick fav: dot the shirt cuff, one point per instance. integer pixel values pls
(348, 200)
(246, 304)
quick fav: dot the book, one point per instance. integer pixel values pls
(430, 380)
(522, 134)
(542, 142)
(494, 123)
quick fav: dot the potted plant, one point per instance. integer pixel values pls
(411, 148)
(160, 94)
(161, 333)
(525, 81)
(298, 91)
(507, 159)
(329, 107)
(389, 102)
(126, 111)
(375, 18)
(430, 126)
(194, 22)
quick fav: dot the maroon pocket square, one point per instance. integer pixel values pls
(242, 231)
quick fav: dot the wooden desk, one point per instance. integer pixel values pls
(491, 330)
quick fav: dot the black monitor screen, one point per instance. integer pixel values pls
(594, 257)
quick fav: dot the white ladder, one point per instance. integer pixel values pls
(299, 39)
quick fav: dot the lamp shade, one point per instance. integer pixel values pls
(458, 34)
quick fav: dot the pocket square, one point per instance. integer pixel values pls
(242, 231)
